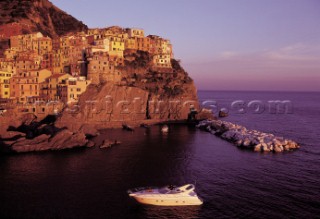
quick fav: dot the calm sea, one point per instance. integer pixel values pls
(234, 183)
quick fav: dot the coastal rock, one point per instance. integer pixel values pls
(107, 106)
(251, 139)
(12, 135)
(89, 131)
(106, 144)
(67, 139)
(90, 144)
(205, 114)
(7, 123)
(26, 145)
(62, 140)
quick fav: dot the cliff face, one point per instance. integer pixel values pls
(144, 95)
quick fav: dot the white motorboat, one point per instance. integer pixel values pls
(166, 196)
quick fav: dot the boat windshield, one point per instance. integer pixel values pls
(167, 190)
(175, 191)
(164, 190)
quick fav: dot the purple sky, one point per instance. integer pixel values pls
(225, 44)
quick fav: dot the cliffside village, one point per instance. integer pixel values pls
(37, 68)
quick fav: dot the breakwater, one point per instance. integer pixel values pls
(249, 139)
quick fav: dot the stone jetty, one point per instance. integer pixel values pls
(249, 139)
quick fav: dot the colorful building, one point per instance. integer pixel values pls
(49, 88)
(69, 90)
(162, 61)
(143, 43)
(26, 86)
(5, 84)
(102, 68)
(133, 32)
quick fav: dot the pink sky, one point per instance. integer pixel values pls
(295, 67)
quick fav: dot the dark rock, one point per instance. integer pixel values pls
(90, 144)
(127, 127)
(222, 114)
(12, 135)
(67, 139)
(89, 131)
(106, 144)
(39, 143)
(205, 114)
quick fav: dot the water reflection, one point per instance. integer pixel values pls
(169, 212)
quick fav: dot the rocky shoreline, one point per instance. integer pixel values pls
(27, 134)
(249, 139)
(45, 137)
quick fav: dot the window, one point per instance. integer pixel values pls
(78, 89)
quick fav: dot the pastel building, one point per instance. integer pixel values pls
(24, 42)
(159, 45)
(143, 43)
(116, 44)
(26, 64)
(26, 86)
(70, 89)
(10, 53)
(131, 43)
(134, 32)
(162, 60)
(42, 45)
(5, 84)
(49, 88)
(102, 68)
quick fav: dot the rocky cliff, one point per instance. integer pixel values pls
(144, 95)
(28, 16)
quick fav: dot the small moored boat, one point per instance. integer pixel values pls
(165, 129)
(166, 196)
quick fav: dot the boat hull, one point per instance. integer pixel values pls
(161, 201)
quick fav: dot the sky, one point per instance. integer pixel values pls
(225, 44)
